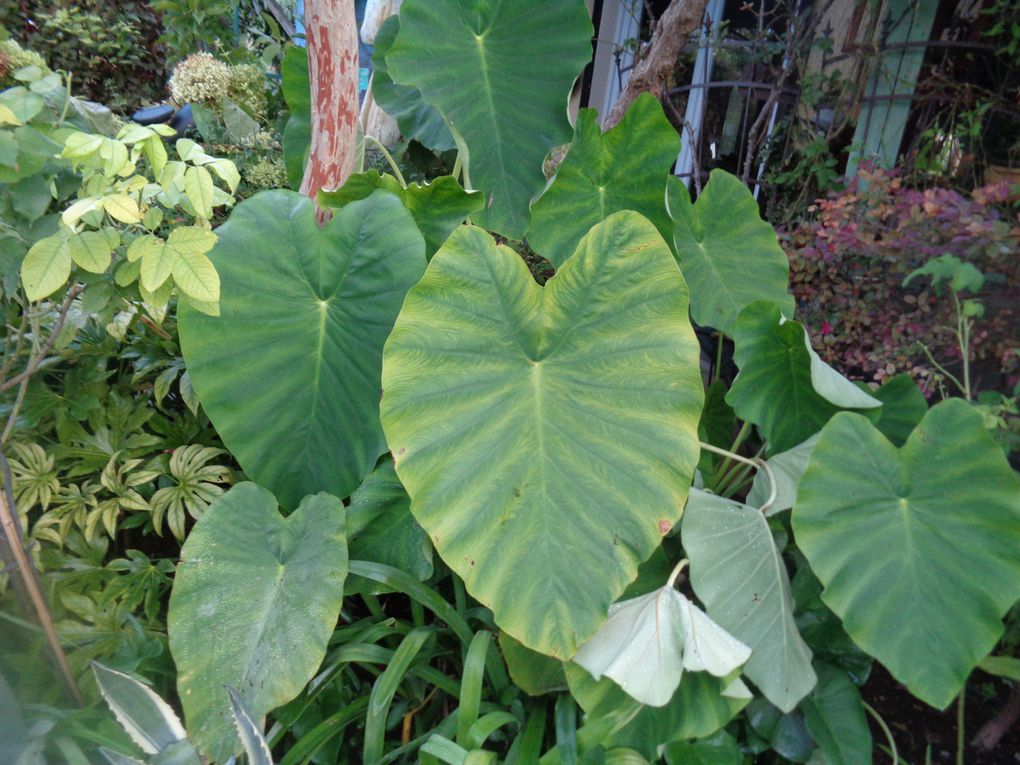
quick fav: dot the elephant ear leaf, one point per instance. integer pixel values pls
(883, 529)
(729, 255)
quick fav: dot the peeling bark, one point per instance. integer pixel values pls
(654, 71)
(332, 35)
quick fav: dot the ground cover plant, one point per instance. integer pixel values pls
(433, 511)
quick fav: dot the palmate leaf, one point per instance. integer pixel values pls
(782, 386)
(489, 48)
(729, 255)
(647, 642)
(404, 103)
(917, 546)
(544, 434)
(289, 373)
(255, 598)
(739, 575)
(623, 169)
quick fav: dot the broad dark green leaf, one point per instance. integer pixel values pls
(404, 103)
(729, 255)
(289, 372)
(739, 575)
(697, 709)
(778, 387)
(544, 434)
(513, 65)
(625, 168)
(720, 749)
(835, 719)
(917, 546)
(532, 672)
(381, 529)
(297, 134)
(255, 599)
(437, 206)
(903, 406)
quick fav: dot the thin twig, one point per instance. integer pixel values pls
(37, 359)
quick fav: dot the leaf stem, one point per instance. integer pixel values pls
(389, 158)
(676, 572)
(757, 463)
(885, 729)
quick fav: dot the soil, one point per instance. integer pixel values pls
(918, 728)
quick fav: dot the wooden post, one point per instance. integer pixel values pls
(332, 35)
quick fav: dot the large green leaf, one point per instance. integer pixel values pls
(289, 372)
(513, 65)
(255, 599)
(532, 672)
(544, 434)
(739, 575)
(903, 406)
(381, 529)
(297, 133)
(728, 254)
(437, 206)
(917, 547)
(404, 103)
(625, 168)
(780, 387)
(835, 719)
(697, 709)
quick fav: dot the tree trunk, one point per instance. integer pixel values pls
(654, 71)
(332, 35)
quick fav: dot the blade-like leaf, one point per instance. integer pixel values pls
(249, 732)
(739, 575)
(403, 103)
(545, 434)
(147, 719)
(775, 387)
(728, 254)
(625, 168)
(917, 547)
(488, 48)
(297, 134)
(254, 602)
(289, 373)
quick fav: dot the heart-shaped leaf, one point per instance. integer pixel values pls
(437, 206)
(903, 406)
(255, 599)
(625, 168)
(404, 103)
(647, 642)
(729, 255)
(381, 529)
(289, 373)
(775, 388)
(488, 48)
(544, 434)
(739, 575)
(917, 547)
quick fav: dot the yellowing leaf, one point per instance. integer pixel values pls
(82, 207)
(81, 145)
(193, 239)
(198, 186)
(123, 208)
(142, 245)
(8, 117)
(157, 263)
(196, 276)
(46, 267)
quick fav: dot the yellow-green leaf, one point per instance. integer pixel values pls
(74, 213)
(93, 250)
(157, 263)
(198, 186)
(46, 267)
(123, 208)
(8, 117)
(142, 245)
(196, 276)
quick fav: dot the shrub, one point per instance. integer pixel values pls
(199, 78)
(849, 261)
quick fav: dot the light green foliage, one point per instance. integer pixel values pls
(739, 575)
(304, 315)
(883, 529)
(13, 57)
(599, 368)
(247, 89)
(195, 485)
(255, 600)
(266, 173)
(623, 169)
(489, 48)
(728, 254)
(438, 206)
(200, 78)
